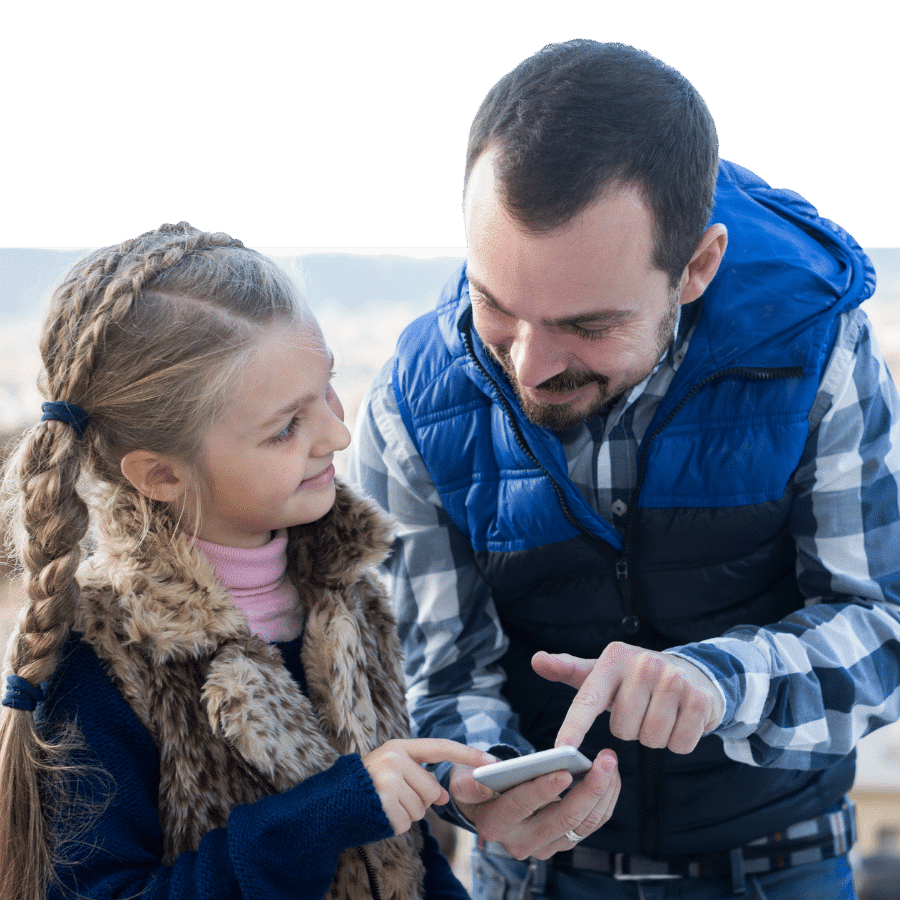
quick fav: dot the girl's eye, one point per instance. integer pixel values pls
(287, 432)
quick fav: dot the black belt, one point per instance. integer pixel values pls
(824, 837)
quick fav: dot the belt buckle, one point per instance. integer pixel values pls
(619, 875)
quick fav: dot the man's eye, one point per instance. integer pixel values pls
(592, 334)
(484, 303)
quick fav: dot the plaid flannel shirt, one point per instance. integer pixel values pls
(799, 693)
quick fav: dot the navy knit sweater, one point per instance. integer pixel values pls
(283, 846)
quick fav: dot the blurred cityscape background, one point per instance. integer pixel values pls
(363, 302)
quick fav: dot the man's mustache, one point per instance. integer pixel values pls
(557, 384)
(571, 381)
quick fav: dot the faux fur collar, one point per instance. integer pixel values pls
(191, 613)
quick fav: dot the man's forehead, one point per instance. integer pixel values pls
(608, 245)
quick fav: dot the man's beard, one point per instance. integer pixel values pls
(560, 416)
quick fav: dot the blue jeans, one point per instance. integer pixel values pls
(500, 878)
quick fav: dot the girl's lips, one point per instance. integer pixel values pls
(325, 477)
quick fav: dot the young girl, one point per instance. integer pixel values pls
(210, 703)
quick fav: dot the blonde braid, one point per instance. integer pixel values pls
(54, 520)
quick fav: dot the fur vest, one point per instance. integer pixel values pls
(230, 723)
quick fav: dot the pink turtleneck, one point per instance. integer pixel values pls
(257, 581)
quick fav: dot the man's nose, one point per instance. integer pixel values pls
(535, 355)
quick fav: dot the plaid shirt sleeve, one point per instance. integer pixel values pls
(449, 628)
(800, 693)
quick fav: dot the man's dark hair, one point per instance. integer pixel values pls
(579, 117)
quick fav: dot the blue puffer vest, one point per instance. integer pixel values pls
(706, 546)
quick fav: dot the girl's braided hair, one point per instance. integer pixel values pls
(146, 338)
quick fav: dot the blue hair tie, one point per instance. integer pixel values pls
(60, 411)
(20, 694)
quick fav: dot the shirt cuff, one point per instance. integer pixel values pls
(740, 671)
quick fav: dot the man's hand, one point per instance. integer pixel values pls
(655, 698)
(531, 819)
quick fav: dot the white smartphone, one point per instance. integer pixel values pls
(500, 776)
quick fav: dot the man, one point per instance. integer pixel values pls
(646, 416)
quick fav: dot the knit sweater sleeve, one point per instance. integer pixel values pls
(286, 845)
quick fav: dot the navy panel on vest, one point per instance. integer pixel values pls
(564, 598)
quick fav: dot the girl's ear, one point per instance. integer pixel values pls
(154, 476)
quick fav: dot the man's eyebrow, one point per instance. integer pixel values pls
(602, 317)
(475, 283)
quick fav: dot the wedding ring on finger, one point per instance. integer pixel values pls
(574, 837)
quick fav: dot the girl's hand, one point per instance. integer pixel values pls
(406, 790)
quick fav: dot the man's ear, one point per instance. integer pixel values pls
(704, 264)
(154, 476)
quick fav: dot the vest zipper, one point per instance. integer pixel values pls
(370, 871)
